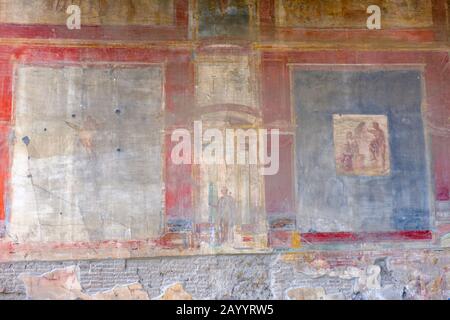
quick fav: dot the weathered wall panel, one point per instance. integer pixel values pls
(87, 154)
(86, 170)
(352, 14)
(97, 12)
(330, 200)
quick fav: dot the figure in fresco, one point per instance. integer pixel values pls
(223, 6)
(226, 210)
(360, 137)
(378, 145)
(360, 131)
(361, 145)
(351, 152)
(86, 133)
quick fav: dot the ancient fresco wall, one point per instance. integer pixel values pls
(288, 132)
(97, 12)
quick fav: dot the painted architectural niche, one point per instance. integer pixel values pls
(226, 98)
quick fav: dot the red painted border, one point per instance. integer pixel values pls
(4, 169)
(366, 236)
(284, 239)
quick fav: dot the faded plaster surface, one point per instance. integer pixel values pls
(78, 177)
(77, 173)
(350, 14)
(403, 274)
(95, 12)
(228, 80)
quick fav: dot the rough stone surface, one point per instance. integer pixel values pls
(399, 274)
(175, 292)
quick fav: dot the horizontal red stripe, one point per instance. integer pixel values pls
(321, 237)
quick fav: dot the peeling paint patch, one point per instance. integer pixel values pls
(175, 292)
(133, 291)
(58, 284)
(64, 284)
(318, 293)
(366, 278)
(306, 293)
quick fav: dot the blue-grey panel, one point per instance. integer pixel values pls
(329, 202)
